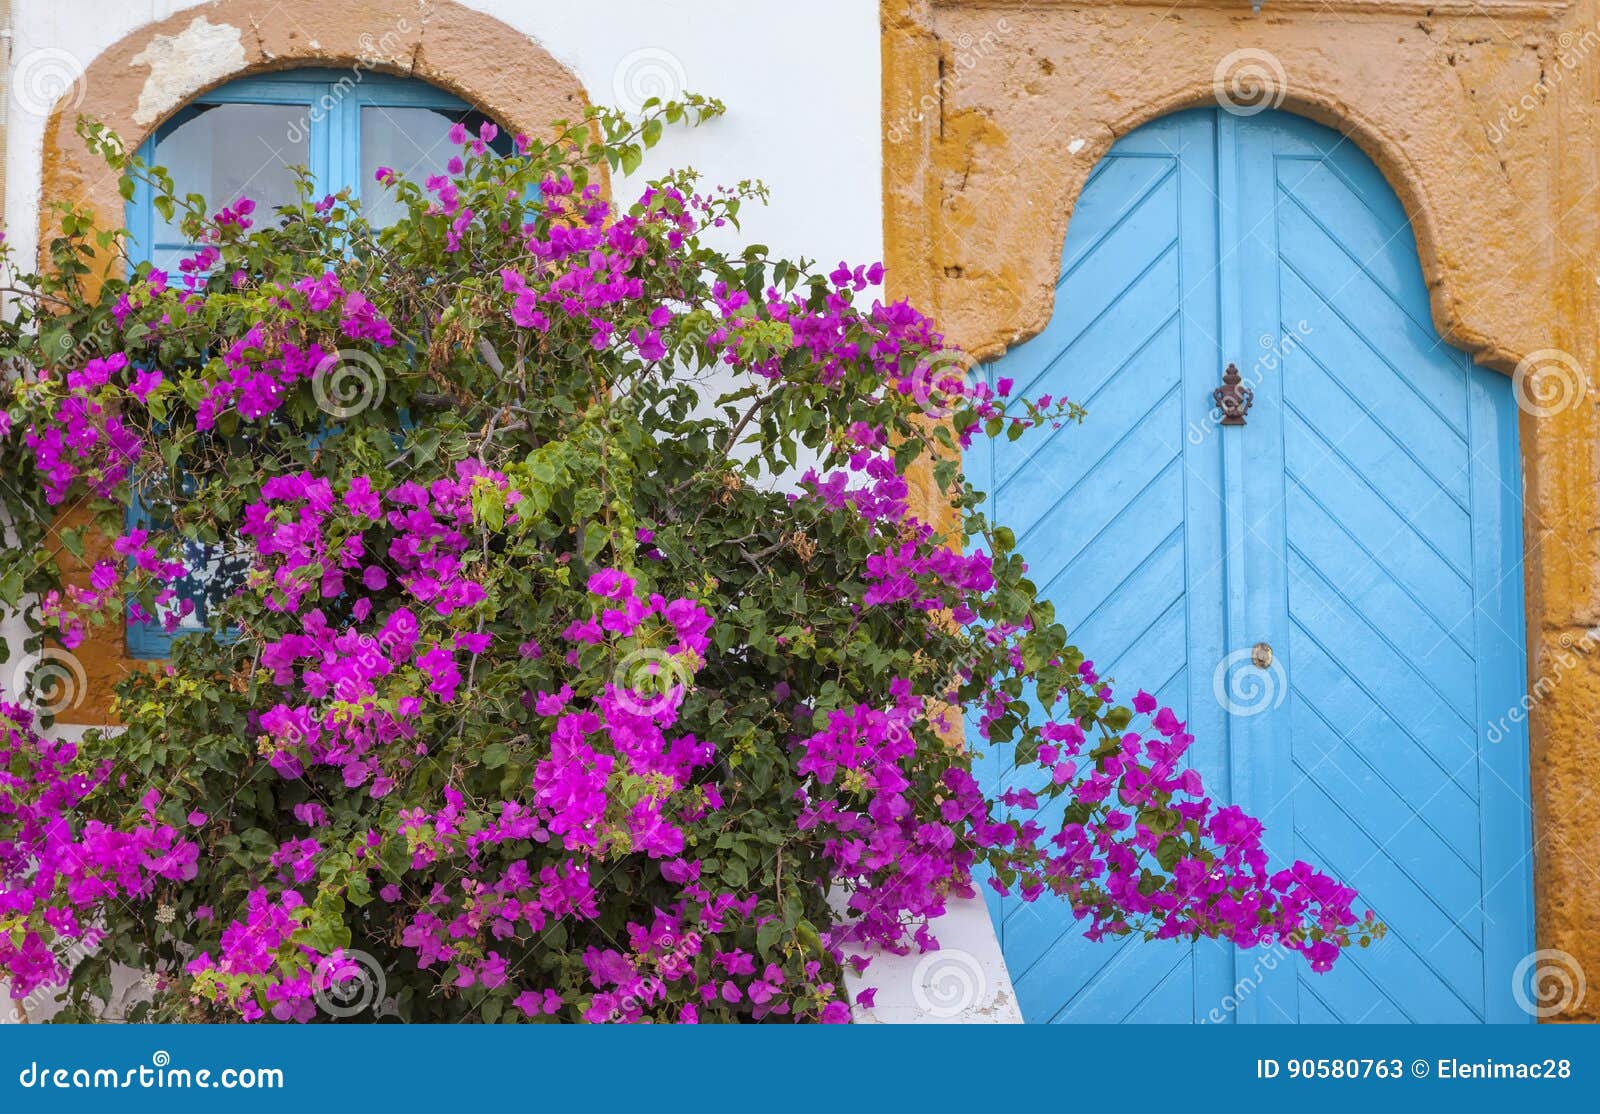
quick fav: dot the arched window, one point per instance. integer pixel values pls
(244, 139)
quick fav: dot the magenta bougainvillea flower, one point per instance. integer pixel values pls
(578, 645)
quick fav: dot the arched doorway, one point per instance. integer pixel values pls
(1330, 591)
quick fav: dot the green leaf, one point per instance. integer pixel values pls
(1168, 851)
(595, 538)
(768, 935)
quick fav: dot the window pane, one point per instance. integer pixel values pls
(229, 151)
(413, 141)
(214, 572)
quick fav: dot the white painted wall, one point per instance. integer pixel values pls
(965, 982)
(800, 83)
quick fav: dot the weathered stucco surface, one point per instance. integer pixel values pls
(1480, 115)
(144, 78)
(200, 54)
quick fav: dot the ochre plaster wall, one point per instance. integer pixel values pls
(1480, 115)
(144, 78)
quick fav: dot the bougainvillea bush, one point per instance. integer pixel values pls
(571, 647)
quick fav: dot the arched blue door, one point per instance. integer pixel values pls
(1364, 524)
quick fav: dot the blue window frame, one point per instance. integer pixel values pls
(242, 140)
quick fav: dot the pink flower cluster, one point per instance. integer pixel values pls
(585, 799)
(898, 865)
(263, 366)
(659, 966)
(588, 270)
(311, 552)
(1141, 801)
(85, 438)
(56, 870)
(259, 954)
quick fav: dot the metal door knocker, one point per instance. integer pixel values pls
(1233, 398)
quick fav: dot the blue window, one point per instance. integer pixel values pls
(245, 139)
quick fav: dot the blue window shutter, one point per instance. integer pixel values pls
(333, 101)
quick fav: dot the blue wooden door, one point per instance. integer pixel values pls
(1364, 523)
